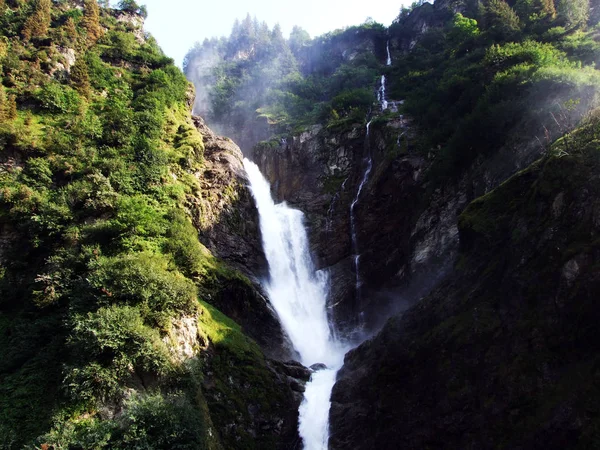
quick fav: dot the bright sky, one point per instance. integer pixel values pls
(177, 24)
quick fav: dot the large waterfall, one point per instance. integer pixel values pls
(298, 294)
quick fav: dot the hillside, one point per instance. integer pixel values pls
(109, 334)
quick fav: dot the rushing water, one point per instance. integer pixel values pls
(298, 294)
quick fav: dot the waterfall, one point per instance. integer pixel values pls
(389, 55)
(298, 294)
(353, 229)
(381, 94)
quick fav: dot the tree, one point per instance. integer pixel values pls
(11, 108)
(535, 10)
(573, 13)
(463, 29)
(70, 31)
(38, 23)
(501, 20)
(80, 78)
(91, 20)
(3, 104)
(130, 6)
(298, 37)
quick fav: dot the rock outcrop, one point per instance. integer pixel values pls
(227, 220)
(504, 352)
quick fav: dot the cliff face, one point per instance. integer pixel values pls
(320, 172)
(407, 223)
(504, 352)
(227, 220)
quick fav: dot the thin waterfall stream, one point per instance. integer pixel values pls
(389, 55)
(298, 294)
(353, 227)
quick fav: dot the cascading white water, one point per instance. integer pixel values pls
(389, 55)
(298, 294)
(381, 94)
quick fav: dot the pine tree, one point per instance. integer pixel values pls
(38, 23)
(11, 108)
(70, 31)
(80, 78)
(501, 19)
(91, 20)
(535, 10)
(573, 12)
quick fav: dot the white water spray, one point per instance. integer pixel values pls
(298, 294)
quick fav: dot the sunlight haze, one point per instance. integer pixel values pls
(178, 24)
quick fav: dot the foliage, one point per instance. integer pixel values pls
(573, 12)
(91, 20)
(101, 257)
(149, 421)
(501, 20)
(256, 73)
(473, 90)
(38, 23)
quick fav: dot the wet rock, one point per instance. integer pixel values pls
(318, 366)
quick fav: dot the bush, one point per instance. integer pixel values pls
(57, 98)
(112, 345)
(155, 420)
(143, 279)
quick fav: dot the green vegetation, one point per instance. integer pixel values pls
(257, 74)
(499, 74)
(98, 157)
(503, 76)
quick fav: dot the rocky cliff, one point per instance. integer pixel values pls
(504, 352)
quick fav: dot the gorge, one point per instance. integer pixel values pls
(391, 242)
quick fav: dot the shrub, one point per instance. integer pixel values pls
(57, 98)
(111, 345)
(152, 420)
(143, 279)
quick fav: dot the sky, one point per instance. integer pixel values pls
(178, 24)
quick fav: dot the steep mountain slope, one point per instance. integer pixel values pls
(109, 332)
(473, 94)
(504, 354)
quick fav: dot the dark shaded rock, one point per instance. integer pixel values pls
(295, 375)
(227, 220)
(505, 352)
(318, 366)
(295, 370)
(250, 399)
(226, 216)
